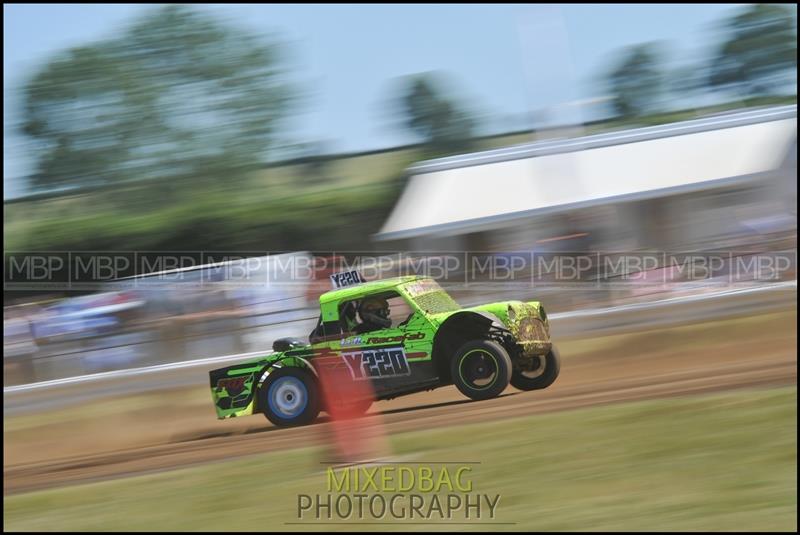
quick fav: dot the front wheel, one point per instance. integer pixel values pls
(290, 397)
(541, 375)
(481, 369)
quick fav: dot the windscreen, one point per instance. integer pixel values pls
(431, 297)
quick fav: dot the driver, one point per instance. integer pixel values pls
(349, 321)
(374, 313)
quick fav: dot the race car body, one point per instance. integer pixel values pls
(425, 341)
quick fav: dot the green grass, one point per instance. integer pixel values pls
(713, 335)
(715, 462)
(82, 414)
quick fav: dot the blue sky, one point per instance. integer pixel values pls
(503, 60)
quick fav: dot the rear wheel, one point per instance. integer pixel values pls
(290, 397)
(544, 371)
(481, 369)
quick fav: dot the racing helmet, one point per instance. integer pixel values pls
(375, 310)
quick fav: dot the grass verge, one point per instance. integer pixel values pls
(714, 462)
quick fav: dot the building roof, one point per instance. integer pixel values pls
(462, 193)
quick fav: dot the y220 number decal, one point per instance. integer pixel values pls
(377, 363)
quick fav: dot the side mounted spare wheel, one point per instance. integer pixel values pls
(481, 369)
(290, 397)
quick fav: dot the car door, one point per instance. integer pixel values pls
(396, 359)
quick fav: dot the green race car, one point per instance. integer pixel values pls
(382, 339)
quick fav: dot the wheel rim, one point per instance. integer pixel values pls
(287, 397)
(538, 371)
(478, 369)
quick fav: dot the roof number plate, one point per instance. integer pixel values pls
(346, 278)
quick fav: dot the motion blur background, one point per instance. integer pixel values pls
(325, 134)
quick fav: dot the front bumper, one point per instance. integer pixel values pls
(533, 337)
(530, 329)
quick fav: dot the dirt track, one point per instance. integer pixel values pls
(644, 368)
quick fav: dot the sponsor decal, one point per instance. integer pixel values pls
(351, 341)
(377, 363)
(233, 385)
(398, 338)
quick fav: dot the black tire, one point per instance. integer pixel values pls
(481, 369)
(290, 397)
(540, 377)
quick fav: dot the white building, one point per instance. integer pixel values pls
(708, 182)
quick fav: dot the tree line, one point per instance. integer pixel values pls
(183, 98)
